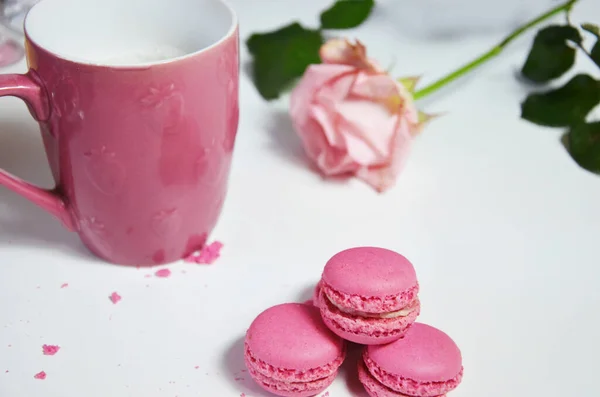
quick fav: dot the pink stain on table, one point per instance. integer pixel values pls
(50, 350)
(115, 298)
(40, 375)
(65, 285)
(163, 273)
(206, 255)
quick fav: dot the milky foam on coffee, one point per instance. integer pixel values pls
(140, 55)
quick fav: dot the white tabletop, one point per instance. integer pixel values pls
(500, 223)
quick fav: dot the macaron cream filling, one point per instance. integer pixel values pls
(404, 312)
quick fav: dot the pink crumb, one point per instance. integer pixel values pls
(50, 350)
(163, 273)
(6, 371)
(196, 367)
(40, 375)
(238, 379)
(243, 395)
(326, 394)
(115, 298)
(65, 285)
(207, 255)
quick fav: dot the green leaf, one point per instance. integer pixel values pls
(584, 145)
(282, 56)
(346, 14)
(565, 106)
(595, 30)
(550, 55)
(591, 28)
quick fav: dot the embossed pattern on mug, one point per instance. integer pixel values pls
(97, 233)
(104, 171)
(167, 105)
(209, 170)
(227, 75)
(166, 222)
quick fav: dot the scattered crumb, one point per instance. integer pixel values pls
(163, 273)
(64, 285)
(40, 375)
(244, 370)
(238, 379)
(50, 350)
(243, 395)
(6, 371)
(326, 394)
(147, 275)
(9, 345)
(115, 298)
(207, 255)
(38, 287)
(196, 367)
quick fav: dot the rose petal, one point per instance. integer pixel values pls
(342, 51)
(369, 130)
(336, 90)
(327, 124)
(384, 177)
(314, 78)
(375, 87)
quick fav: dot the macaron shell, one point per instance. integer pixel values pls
(424, 363)
(292, 336)
(366, 331)
(369, 272)
(427, 355)
(372, 385)
(290, 389)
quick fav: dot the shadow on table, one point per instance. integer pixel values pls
(349, 371)
(285, 141)
(287, 144)
(234, 367)
(21, 222)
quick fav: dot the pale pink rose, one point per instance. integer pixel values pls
(352, 117)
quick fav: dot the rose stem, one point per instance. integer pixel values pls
(493, 52)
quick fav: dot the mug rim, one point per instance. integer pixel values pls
(231, 32)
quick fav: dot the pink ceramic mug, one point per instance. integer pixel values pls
(137, 102)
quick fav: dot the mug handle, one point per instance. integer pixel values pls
(28, 88)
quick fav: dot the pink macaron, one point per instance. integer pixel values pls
(424, 363)
(368, 295)
(291, 353)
